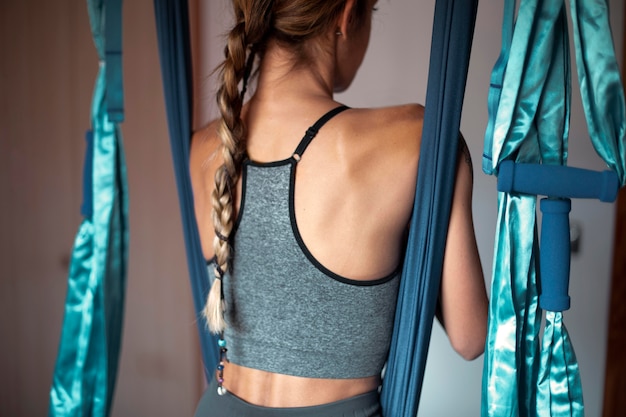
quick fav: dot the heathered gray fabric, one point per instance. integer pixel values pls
(286, 313)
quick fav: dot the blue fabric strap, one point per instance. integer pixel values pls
(113, 58)
(172, 21)
(421, 276)
(86, 208)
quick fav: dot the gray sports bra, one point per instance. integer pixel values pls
(286, 313)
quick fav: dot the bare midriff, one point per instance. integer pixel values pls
(269, 389)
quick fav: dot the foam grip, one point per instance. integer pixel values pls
(557, 181)
(554, 261)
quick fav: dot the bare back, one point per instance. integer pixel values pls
(354, 186)
(354, 193)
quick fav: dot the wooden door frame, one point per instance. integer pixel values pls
(615, 375)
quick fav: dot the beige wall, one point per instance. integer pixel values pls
(47, 72)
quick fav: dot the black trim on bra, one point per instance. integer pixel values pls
(317, 264)
(242, 200)
(312, 131)
(302, 146)
(269, 164)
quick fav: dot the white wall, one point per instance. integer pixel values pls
(395, 71)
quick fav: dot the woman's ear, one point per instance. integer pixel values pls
(346, 18)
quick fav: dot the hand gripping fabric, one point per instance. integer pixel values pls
(453, 29)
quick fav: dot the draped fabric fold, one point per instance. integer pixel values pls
(172, 21)
(600, 82)
(87, 361)
(558, 384)
(529, 122)
(453, 29)
(510, 368)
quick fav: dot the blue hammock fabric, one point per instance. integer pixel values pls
(453, 30)
(452, 37)
(87, 360)
(529, 123)
(172, 21)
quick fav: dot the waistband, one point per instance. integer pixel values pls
(212, 404)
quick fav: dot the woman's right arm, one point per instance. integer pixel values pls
(463, 298)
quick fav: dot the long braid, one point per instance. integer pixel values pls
(290, 23)
(248, 31)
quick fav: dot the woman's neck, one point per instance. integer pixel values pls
(282, 78)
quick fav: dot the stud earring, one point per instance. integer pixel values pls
(338, 33)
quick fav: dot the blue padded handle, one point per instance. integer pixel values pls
(555, 248)
(557, 181)
(560, 183)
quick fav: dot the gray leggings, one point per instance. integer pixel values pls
(213, 405)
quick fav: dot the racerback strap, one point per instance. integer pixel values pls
(311, 132)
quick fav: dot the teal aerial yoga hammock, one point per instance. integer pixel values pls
(526, 145)
(451, 44)
(87, 361)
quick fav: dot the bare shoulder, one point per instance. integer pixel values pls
(205, 141)
(204, 156)
(204, 159)
(396, 129)
(405, 120)
(401, 116)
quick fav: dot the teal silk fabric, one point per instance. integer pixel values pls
(87, 360)
(529, 107)
(559, 390)
(510, 367)
(600, 84)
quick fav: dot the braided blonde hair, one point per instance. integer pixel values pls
(290, 23)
